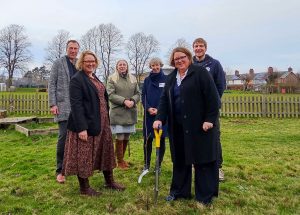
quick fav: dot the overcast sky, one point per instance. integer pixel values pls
(240, 34)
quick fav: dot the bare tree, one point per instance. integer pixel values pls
(105, 40)
(246, 79)
(139, 48)
(38, 74)
(89, 41)
(57, 47)
(228, 71)
(2, 77)
(181, 42)
(14, 50)
(41, 73)
(271, 77)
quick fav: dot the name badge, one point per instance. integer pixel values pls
(161, 84)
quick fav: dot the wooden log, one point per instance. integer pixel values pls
(45, 131)
(22, 129)
(45, 119)
(3, 114)
(30, 132)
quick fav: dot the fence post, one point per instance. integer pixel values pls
(10, 103)
(264, 105)
(36, 101)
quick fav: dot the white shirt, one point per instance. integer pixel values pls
(179, 79)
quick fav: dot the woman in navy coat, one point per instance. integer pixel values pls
(190, 104)
(152, 89)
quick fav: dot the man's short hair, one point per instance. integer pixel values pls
(200, 40)
(72, 41)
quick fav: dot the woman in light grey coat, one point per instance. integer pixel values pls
(123, 92)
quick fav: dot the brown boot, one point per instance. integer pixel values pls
(125, 143)
(120, 155)
(110, 183)
(85, 188)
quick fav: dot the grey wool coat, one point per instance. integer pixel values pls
(118, 90)
(58, 88)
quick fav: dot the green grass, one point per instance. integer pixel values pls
(261, 164)
(34, 125)
(23, 89)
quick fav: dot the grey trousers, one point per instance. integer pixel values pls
(219, 146)
(60, 147)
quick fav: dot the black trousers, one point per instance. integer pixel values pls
(60, 147)
(206, 175)
(206, 181)
(148, 150)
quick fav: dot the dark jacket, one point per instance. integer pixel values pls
(85, 105)
(199, 103)
(214, 67)
(152, 89)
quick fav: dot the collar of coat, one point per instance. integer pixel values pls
(115, 77)
(205, 62)
(191, 69)
(87, 79)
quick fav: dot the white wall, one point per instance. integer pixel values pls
(2, 87)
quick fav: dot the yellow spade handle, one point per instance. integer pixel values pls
(157, 133)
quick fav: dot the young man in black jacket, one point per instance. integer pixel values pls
(214, 67)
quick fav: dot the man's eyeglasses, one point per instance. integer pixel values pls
(89, 61)
(179, 58)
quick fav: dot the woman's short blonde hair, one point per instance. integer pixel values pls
(183, 50)
(156, 60)
(79, 62)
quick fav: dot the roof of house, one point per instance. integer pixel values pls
(285, 74)
(257, 76)
(260, 76)
(233, 77)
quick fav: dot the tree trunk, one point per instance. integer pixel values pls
(8, 83)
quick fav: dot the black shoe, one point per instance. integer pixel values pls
(206, 203)
(170, 198)
(146, 168)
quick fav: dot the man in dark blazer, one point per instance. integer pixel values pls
(59, 99)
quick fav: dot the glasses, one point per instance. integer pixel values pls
(179, 58)
(89, 61)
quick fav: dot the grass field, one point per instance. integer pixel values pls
(261, 164)
(34, 125)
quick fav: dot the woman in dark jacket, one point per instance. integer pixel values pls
(190, 103)
(89, 144)
(152, 89)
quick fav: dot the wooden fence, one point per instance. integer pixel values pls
(261, 106)
(25, 103)
(273, 106)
